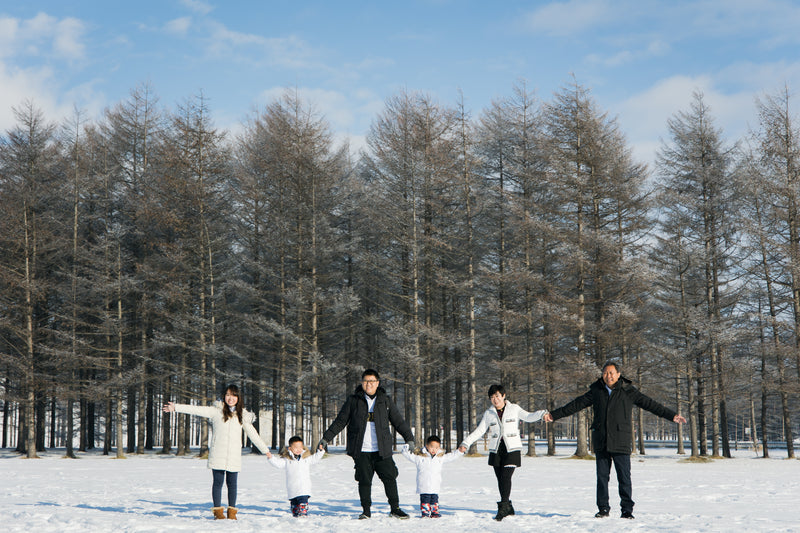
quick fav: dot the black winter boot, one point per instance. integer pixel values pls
(503, 510)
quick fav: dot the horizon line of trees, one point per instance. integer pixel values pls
(148, 256)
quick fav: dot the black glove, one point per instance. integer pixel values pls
(323, 444)
(411, 446)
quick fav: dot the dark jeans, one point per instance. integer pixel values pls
(428, 498)
(622, 465)
(503, 475)
(299, 505)
(298, 500)
(220, 477)
(366, 466)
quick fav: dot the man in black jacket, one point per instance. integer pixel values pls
(367, 414)
(612, 397)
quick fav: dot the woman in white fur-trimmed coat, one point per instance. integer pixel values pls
(501, 421)
(227, 420)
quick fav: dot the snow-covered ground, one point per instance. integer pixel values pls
(156, 493)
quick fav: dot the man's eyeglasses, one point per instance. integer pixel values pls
(370, 381)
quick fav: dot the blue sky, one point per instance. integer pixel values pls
(642, 59)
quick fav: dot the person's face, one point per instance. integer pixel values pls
(610, 375)
(498, 400)
(296, 448)
(370, 384)
(433, 447)
(231, 399)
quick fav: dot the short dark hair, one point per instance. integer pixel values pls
(616, 366)
(494, 389)
(370, 372)
(294, 439)
(433, 438)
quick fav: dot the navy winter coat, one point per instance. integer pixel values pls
(613, 425)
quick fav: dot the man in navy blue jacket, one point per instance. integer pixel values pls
(612, 397)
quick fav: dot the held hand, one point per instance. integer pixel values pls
(323, 444)
(462, 449)
(169, 407)
(547, 417)
(269, 454)
(678, 419)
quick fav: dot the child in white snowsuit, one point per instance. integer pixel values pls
(296, 459)
(429, 473)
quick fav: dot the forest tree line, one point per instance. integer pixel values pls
(148, 256)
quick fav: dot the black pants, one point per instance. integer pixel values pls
(220, 477)
(503, 463)
(369, 464)
(503, 475)
(622, 465)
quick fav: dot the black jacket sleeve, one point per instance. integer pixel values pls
(581, 402)
(399, 423)
(340, 421)
(649, 404)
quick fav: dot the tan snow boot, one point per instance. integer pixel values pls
(232, 513)
(219, 514)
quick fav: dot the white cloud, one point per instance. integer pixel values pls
(333, 106)
(290, 52)
(570, 17)
(42, 35)
(17, 86)
(644, 116)
(348, 114)
(179, 26)
(67, 39)
(197, 6)
(655, 48)
(40, 85)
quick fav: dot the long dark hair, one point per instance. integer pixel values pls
(226, 412)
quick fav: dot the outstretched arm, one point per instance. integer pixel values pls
(206, 411)
(399, 423)
(255, 438)
(649, 404)
(317, 456)
(581, 402)
(535, 416)
(406, 451)
(337, 425)
(475, 435)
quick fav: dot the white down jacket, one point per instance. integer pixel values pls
(429, 468)
(298, 470)
(507, 429)
(225, 451)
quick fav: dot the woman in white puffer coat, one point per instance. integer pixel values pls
(505, 444)
(227, 420)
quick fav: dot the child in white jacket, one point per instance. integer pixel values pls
(429, 473)
(296, 459)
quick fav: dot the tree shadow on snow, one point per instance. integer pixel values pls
(319, 507)
(170, 508)
(490, 512)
